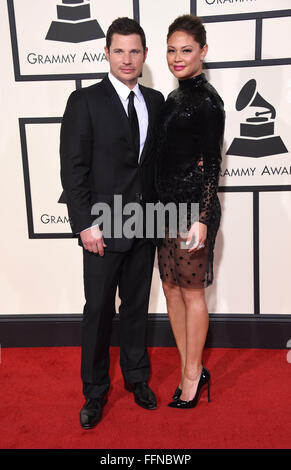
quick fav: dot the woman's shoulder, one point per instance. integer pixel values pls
(173, 94)
(178, 98)
(212, 107)
(212, 96)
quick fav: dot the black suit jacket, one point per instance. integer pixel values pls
(97, 154)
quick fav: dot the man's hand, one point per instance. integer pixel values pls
(92, 240)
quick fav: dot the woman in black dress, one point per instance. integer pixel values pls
(190, 136)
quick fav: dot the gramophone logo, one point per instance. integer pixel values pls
(257, 134)
(74, 23)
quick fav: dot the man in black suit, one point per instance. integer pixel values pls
(106, 150)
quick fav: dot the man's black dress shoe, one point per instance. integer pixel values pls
(91, 412)
(143, 395)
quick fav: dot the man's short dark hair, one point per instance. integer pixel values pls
(125, 26)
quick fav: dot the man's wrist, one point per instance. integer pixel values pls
(86, 229)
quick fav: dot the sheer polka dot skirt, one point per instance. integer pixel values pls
(178, 266)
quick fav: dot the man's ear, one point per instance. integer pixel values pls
(107, 53)
(145, 54)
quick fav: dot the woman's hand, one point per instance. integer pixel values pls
(196, 237)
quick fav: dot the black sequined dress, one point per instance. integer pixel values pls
(189, 140)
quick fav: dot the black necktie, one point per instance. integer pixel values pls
(133, 122)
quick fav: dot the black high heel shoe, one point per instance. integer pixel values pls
(204, 380)
(177, 394)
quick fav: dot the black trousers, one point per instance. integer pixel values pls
(131, 273)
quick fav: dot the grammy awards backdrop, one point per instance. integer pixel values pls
(51, 47)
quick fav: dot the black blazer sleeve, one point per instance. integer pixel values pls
(76, 153)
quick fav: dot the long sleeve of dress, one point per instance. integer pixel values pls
(211, 146)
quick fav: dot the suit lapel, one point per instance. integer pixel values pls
(122, 118)
(150, 124)
(119, 111)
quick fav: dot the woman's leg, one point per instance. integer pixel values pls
(197, 323)
(177, 316)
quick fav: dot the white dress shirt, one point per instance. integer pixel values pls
(139, 104)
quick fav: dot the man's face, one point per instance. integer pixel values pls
(126, 58)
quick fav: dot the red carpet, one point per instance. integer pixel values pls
(40, 398)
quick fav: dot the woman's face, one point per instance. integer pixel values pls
(184, 55)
